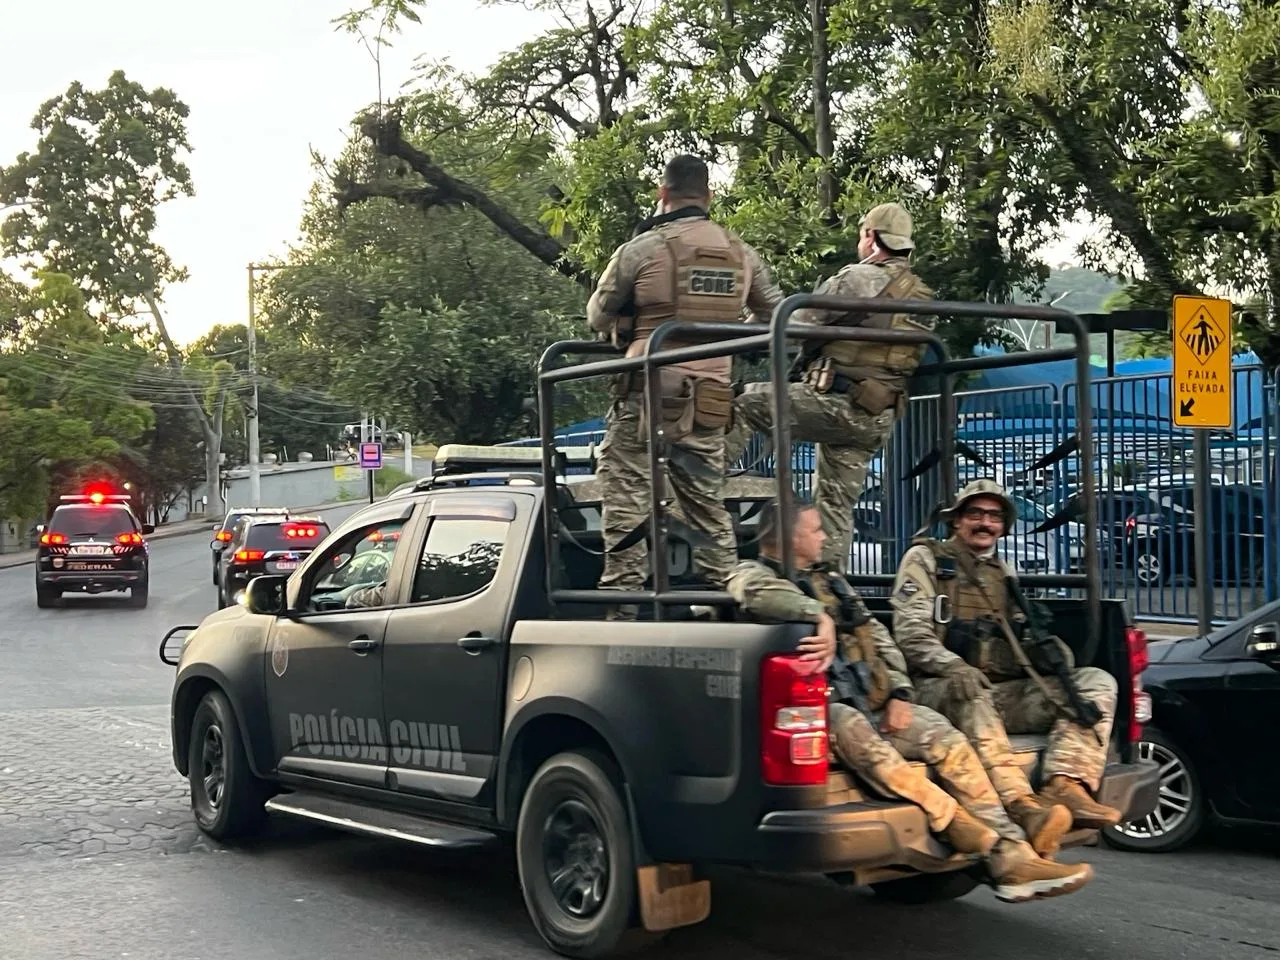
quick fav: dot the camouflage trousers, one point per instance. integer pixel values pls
(1020, 706)
(881, 760)
(847, 437)
(623, 472)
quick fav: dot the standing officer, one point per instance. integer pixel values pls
(959, 619)
(875, 727)
(851, 392)
(679, 265)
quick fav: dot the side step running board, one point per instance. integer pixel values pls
(375, 821)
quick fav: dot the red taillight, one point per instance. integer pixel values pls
(248, 556)
(223, 535)
(96, 498)
(1139, 699)
(51, 539)
(300, 532)
(793, 722)
(130, 539)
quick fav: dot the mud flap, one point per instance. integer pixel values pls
(670, 897)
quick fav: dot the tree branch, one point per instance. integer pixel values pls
(387, 140)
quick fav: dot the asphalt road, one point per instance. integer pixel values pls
(99, 858)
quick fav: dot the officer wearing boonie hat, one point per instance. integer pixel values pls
(850, 392)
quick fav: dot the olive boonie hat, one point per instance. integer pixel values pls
(983, 488)
(892, 223)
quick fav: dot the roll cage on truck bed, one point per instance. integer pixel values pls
(624, 756)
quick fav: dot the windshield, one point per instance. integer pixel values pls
(91, 521)
(1030, 511)
(275, 536)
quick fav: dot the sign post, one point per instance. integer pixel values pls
(1201, 398)
(370, 460)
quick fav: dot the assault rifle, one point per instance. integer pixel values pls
(1047, 656)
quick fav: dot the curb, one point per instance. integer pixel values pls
(6, 563)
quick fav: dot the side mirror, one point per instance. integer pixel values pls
(216, 527)
(1264, 643)
(266, 595)
(39, 528)
(148, 528)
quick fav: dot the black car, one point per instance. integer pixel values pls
(92, 543)
(265, 545)
(224, 531)
(1215, 709)
(1161, 542)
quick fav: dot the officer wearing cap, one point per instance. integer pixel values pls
(952, 601)
(848, 394)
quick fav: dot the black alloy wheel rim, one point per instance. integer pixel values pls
(575, 859)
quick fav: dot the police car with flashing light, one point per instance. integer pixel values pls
(93, 543)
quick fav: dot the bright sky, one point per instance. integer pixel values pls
(266, 81)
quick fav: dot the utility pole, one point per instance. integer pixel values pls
(255, 472)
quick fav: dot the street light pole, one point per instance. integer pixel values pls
(255, 473)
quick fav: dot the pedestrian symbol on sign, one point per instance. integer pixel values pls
(1202, 335)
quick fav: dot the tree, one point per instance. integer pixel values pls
(86, 202)
(1165, 115)
(64, 401)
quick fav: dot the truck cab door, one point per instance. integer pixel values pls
(445, 651)
(325, 658)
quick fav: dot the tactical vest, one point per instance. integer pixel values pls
(964, 593)
(858, 644)
(889, 364)
(709, 283)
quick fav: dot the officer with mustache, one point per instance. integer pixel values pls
(953, 611)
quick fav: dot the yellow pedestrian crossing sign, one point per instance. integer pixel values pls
(1202, 378)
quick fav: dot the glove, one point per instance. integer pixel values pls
(966, 682)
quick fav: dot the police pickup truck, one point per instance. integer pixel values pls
(461, 703)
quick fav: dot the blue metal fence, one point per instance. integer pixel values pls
(1142, 467)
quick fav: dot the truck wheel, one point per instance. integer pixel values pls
(46, 596)
(574, 855)
(1180, 810)
(927, 887)
(138, 595)
(226, 798)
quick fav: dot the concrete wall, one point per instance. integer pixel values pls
(286, 485)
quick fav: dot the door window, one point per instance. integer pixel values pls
(354, 571)
(460, 558)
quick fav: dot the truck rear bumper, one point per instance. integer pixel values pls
(850, 837)
(866, 836)
(1133, 788)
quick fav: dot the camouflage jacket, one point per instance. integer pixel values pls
(915, 591)
(758, 590)
(853, 280)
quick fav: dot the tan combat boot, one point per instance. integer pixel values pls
(1086, 811)
(1045, 823)
(967, 834)
(1034, 878)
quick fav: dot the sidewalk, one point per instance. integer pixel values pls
(182, 528)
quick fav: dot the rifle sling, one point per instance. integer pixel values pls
(966, 563)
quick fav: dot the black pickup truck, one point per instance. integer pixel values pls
(476, 691)
(621, 756)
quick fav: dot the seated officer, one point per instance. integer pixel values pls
(958, 620)
(875, 727)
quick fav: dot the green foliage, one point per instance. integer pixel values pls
(87, 197)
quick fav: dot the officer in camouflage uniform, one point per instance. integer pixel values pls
(948, 599)
(876, 736)
(851, 393)
(679, 265)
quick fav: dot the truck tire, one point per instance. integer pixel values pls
(1176, 820)
(47, 597)
(573, 826)
(138, 595)
(927, 887)
(226, 798)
